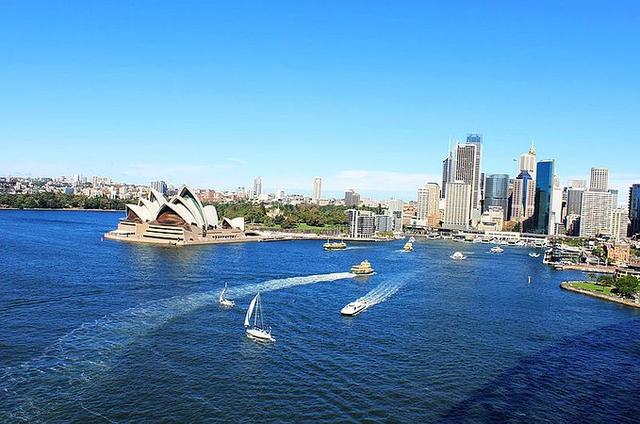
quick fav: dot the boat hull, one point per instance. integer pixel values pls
(259, 335)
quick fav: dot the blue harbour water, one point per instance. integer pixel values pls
(100, 331)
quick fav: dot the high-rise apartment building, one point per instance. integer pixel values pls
(596, 213)
(257, 187)
(457, 211)
(619, 223)
(427, 205)
(159, 186)
(468, 157)
(317, 189)
(351, 198)
(599, 179)
(361, 223)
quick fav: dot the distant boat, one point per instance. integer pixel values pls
(534, 254)
(363, 268)
(496, 249)
(354, 308)
(458, 256)
(337, 245)
(412, 239)
(226, 302)
(257, 330)
(408, 246)
(529, 279)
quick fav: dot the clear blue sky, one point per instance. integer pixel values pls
(365, 94)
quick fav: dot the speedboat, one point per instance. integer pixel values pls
(363, 268)
(354, 308)
(496, 249)
(458, 256)
(534, 254)
(336, 245)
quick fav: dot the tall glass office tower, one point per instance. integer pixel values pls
(496, 192)
(634, 209)
(540, 221)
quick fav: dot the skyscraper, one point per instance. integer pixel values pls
(634, 210)
(447, 171)
(317, 189)
(467, 166)
(619, 223)
(528, 162)
(257, 187)
(574, 201)
(596, 213)
(541, 221)
(159, 186)
(523, 197)
(428, 199)
(496, 193)
(457, 211)
(599, 179)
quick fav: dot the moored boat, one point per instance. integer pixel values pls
(496, 249)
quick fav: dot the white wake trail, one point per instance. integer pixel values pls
(34, 387)
(381, 293)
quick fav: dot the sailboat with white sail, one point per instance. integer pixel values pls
(227, 303)
(257, 330)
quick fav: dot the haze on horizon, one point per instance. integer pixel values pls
(367, 95)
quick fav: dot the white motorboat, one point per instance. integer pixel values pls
(257, 330)
(496, 249)
(227, 303)
(412, 239)
(534, 254)
(354, 308)
(458, 256)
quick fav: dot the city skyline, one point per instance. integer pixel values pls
(86, 84)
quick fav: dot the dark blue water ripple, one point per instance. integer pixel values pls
(95, 331)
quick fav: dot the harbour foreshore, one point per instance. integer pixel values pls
(568, 285)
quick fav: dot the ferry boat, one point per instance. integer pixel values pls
(408, 247)
(458, 256)
(363, 268)
(336, 245)
(354, 308)
(496, 249)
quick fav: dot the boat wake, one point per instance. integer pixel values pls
(32, 390)
(381, 293)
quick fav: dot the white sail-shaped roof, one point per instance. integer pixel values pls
(235, 223)
(189, 205)
(180, 210)
(211, 216)
(141, 211)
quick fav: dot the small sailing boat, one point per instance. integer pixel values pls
(257, 330)
(226, 302)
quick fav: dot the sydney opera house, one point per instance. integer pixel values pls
(178, 220)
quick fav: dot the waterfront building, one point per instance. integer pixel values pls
(496, 193)
(457, 211)
(257, 187)
(599, 179)
(159, 186)
(523, 197)
(398, 220)
(492, 219)
(361, 223)
(409, 211)
(634, 210)
(317, 189)
(596, 214)
(619, 223)
(468, 158)
(427, 206)
(178, 220)
(351, 198)
(541, 221)
(384, 223)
